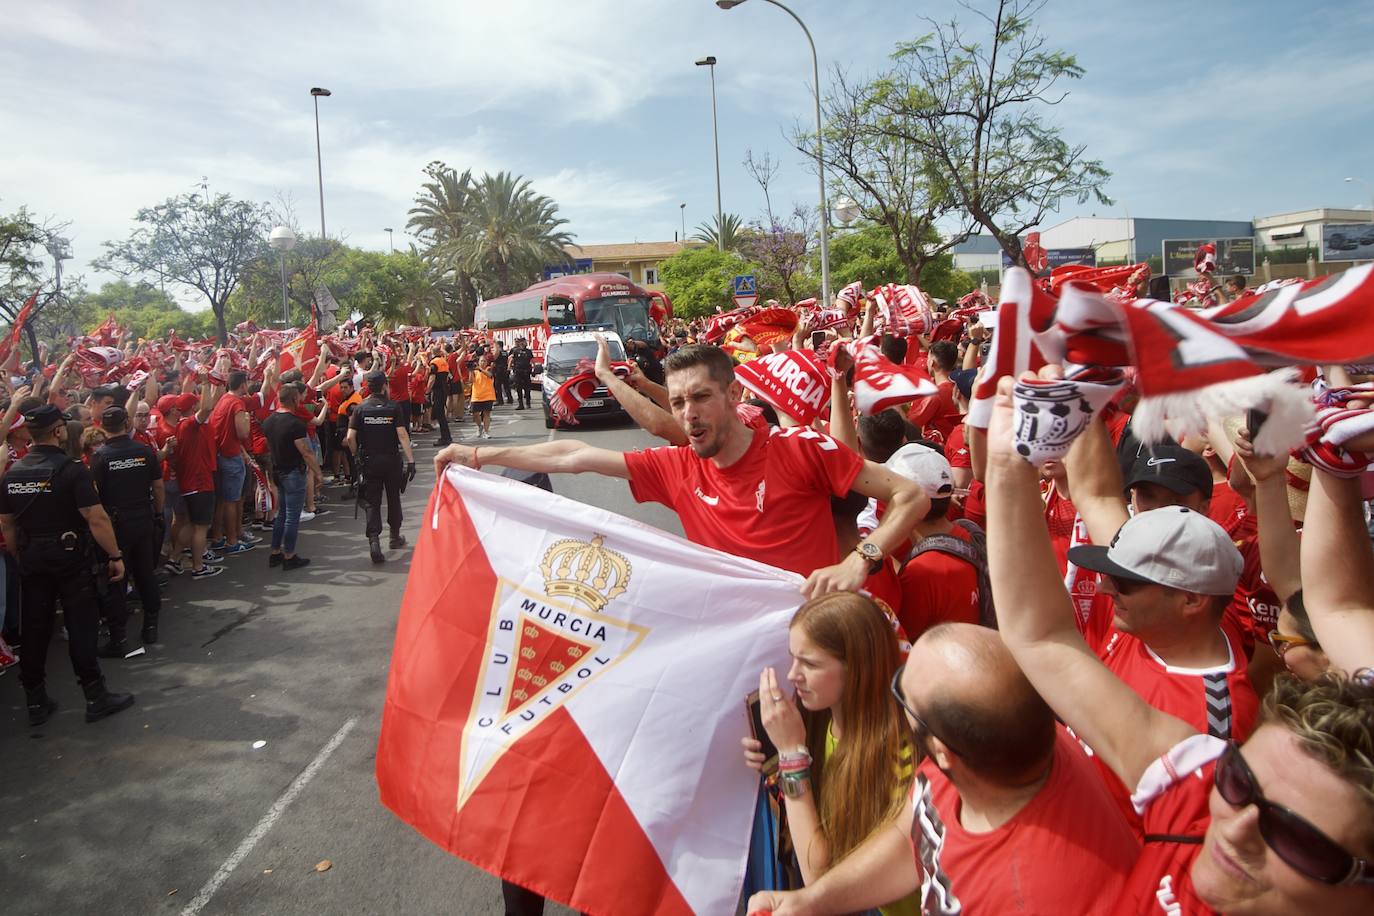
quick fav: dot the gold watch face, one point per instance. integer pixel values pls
(871, 551)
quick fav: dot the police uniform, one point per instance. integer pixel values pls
(374, 424)
(43, 494)
(521, 367)
(124, 472)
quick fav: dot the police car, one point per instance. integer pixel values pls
(564, 352)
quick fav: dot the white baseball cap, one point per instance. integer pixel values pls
(1174, 547)
(924, 467)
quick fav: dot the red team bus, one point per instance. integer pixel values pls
(575, 299)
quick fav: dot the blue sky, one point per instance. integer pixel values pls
(1200, 109)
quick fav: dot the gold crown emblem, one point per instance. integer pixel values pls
(585, 571)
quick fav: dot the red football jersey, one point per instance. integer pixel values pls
(1172, 800)
(194, 456)
(1066, 851)
(222, 424)
(1216, 701)
(773, 505)
(1254, 609)
(956, 448)
(935, 415)
(938, 587)
(1228, 510)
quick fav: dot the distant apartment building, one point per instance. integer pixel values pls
(637, 261)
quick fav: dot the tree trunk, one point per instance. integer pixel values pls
(221, 330)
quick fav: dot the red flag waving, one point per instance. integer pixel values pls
(302, 353)
(563, 704)
(9, 347)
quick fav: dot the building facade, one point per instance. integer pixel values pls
(636, 261)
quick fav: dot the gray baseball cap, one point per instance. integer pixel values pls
(1172, 546)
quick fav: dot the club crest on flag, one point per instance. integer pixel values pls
(543, 648)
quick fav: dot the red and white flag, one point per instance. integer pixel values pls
(566, 699)
(795, 382)
(302, 353)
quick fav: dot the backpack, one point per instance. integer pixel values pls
(974, 552)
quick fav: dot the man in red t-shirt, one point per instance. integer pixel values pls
(938, 584)
(1006, 814)
(936, 415)
(230, 427)
(760, 493)
(193, 459)
(1208, 849)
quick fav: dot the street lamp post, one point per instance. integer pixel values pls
(820, 147)
(60, 250)
(715, 135)
(283, 240)
(390, 240)
(316, 92)
(1371, 195)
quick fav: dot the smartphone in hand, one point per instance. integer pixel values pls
(754, 710)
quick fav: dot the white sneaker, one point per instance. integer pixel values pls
(307, 516)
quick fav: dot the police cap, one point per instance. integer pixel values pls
(114, 417)
(43, 418)
(376, 382)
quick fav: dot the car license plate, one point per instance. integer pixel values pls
(593, 402)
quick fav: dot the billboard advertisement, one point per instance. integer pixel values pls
(579, 266)
(1234, 256)
(1348, 242)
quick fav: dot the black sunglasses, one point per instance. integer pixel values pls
(1293, 839)
(922, 725)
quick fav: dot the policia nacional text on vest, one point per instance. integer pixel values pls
(377, 435)
(50, 515)
(129, 478)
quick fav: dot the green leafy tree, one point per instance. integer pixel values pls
(144, 309)
(440, 220)
(206, 245)
(730, 232)
(21, 256)
(698, 280)
(973, 109)
(869, 255)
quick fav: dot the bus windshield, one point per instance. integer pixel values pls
(629, 315)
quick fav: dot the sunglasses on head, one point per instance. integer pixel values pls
(921, 725)
(1292, 838)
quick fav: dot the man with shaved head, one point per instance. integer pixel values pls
(1007, 813)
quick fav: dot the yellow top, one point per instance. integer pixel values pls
(482, 387)
(911, 904)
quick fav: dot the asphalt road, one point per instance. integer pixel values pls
(168, 808)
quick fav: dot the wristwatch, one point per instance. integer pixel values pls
(872, 553)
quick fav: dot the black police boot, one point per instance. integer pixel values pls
(100, 702)
(149, 628)
(398, 541)
(114, 647)
(374, 544)
(41, 706)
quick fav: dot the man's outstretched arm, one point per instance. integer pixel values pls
(566, 456)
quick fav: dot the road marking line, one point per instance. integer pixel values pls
(553, 432)
(268, 820)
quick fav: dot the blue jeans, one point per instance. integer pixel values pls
(229, 478)
(291, 490)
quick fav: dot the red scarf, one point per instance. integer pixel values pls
(880, 383)
(573, 393)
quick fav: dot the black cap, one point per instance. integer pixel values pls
(114, 416)
(1173, 467)
(376, 382)
(41, 418)
(963, 380)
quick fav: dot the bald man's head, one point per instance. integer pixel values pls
(968, 689)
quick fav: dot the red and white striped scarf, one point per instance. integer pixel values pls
(574, 392)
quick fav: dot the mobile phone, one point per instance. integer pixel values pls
(817, 338)
(753, 709)
(1254, 419)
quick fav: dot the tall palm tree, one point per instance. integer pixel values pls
(441, 219)
(512, 232)
(730, 232)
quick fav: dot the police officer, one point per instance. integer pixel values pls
(50, 514)
(128, 477)
(377, 435)
(521, 367)
(500, 373)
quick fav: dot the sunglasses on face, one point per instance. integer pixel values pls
(1292, 838)
(921, 725)
(1125, 586)
(1281, 643)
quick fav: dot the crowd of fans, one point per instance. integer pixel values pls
(1133, 676)
(201, 456)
